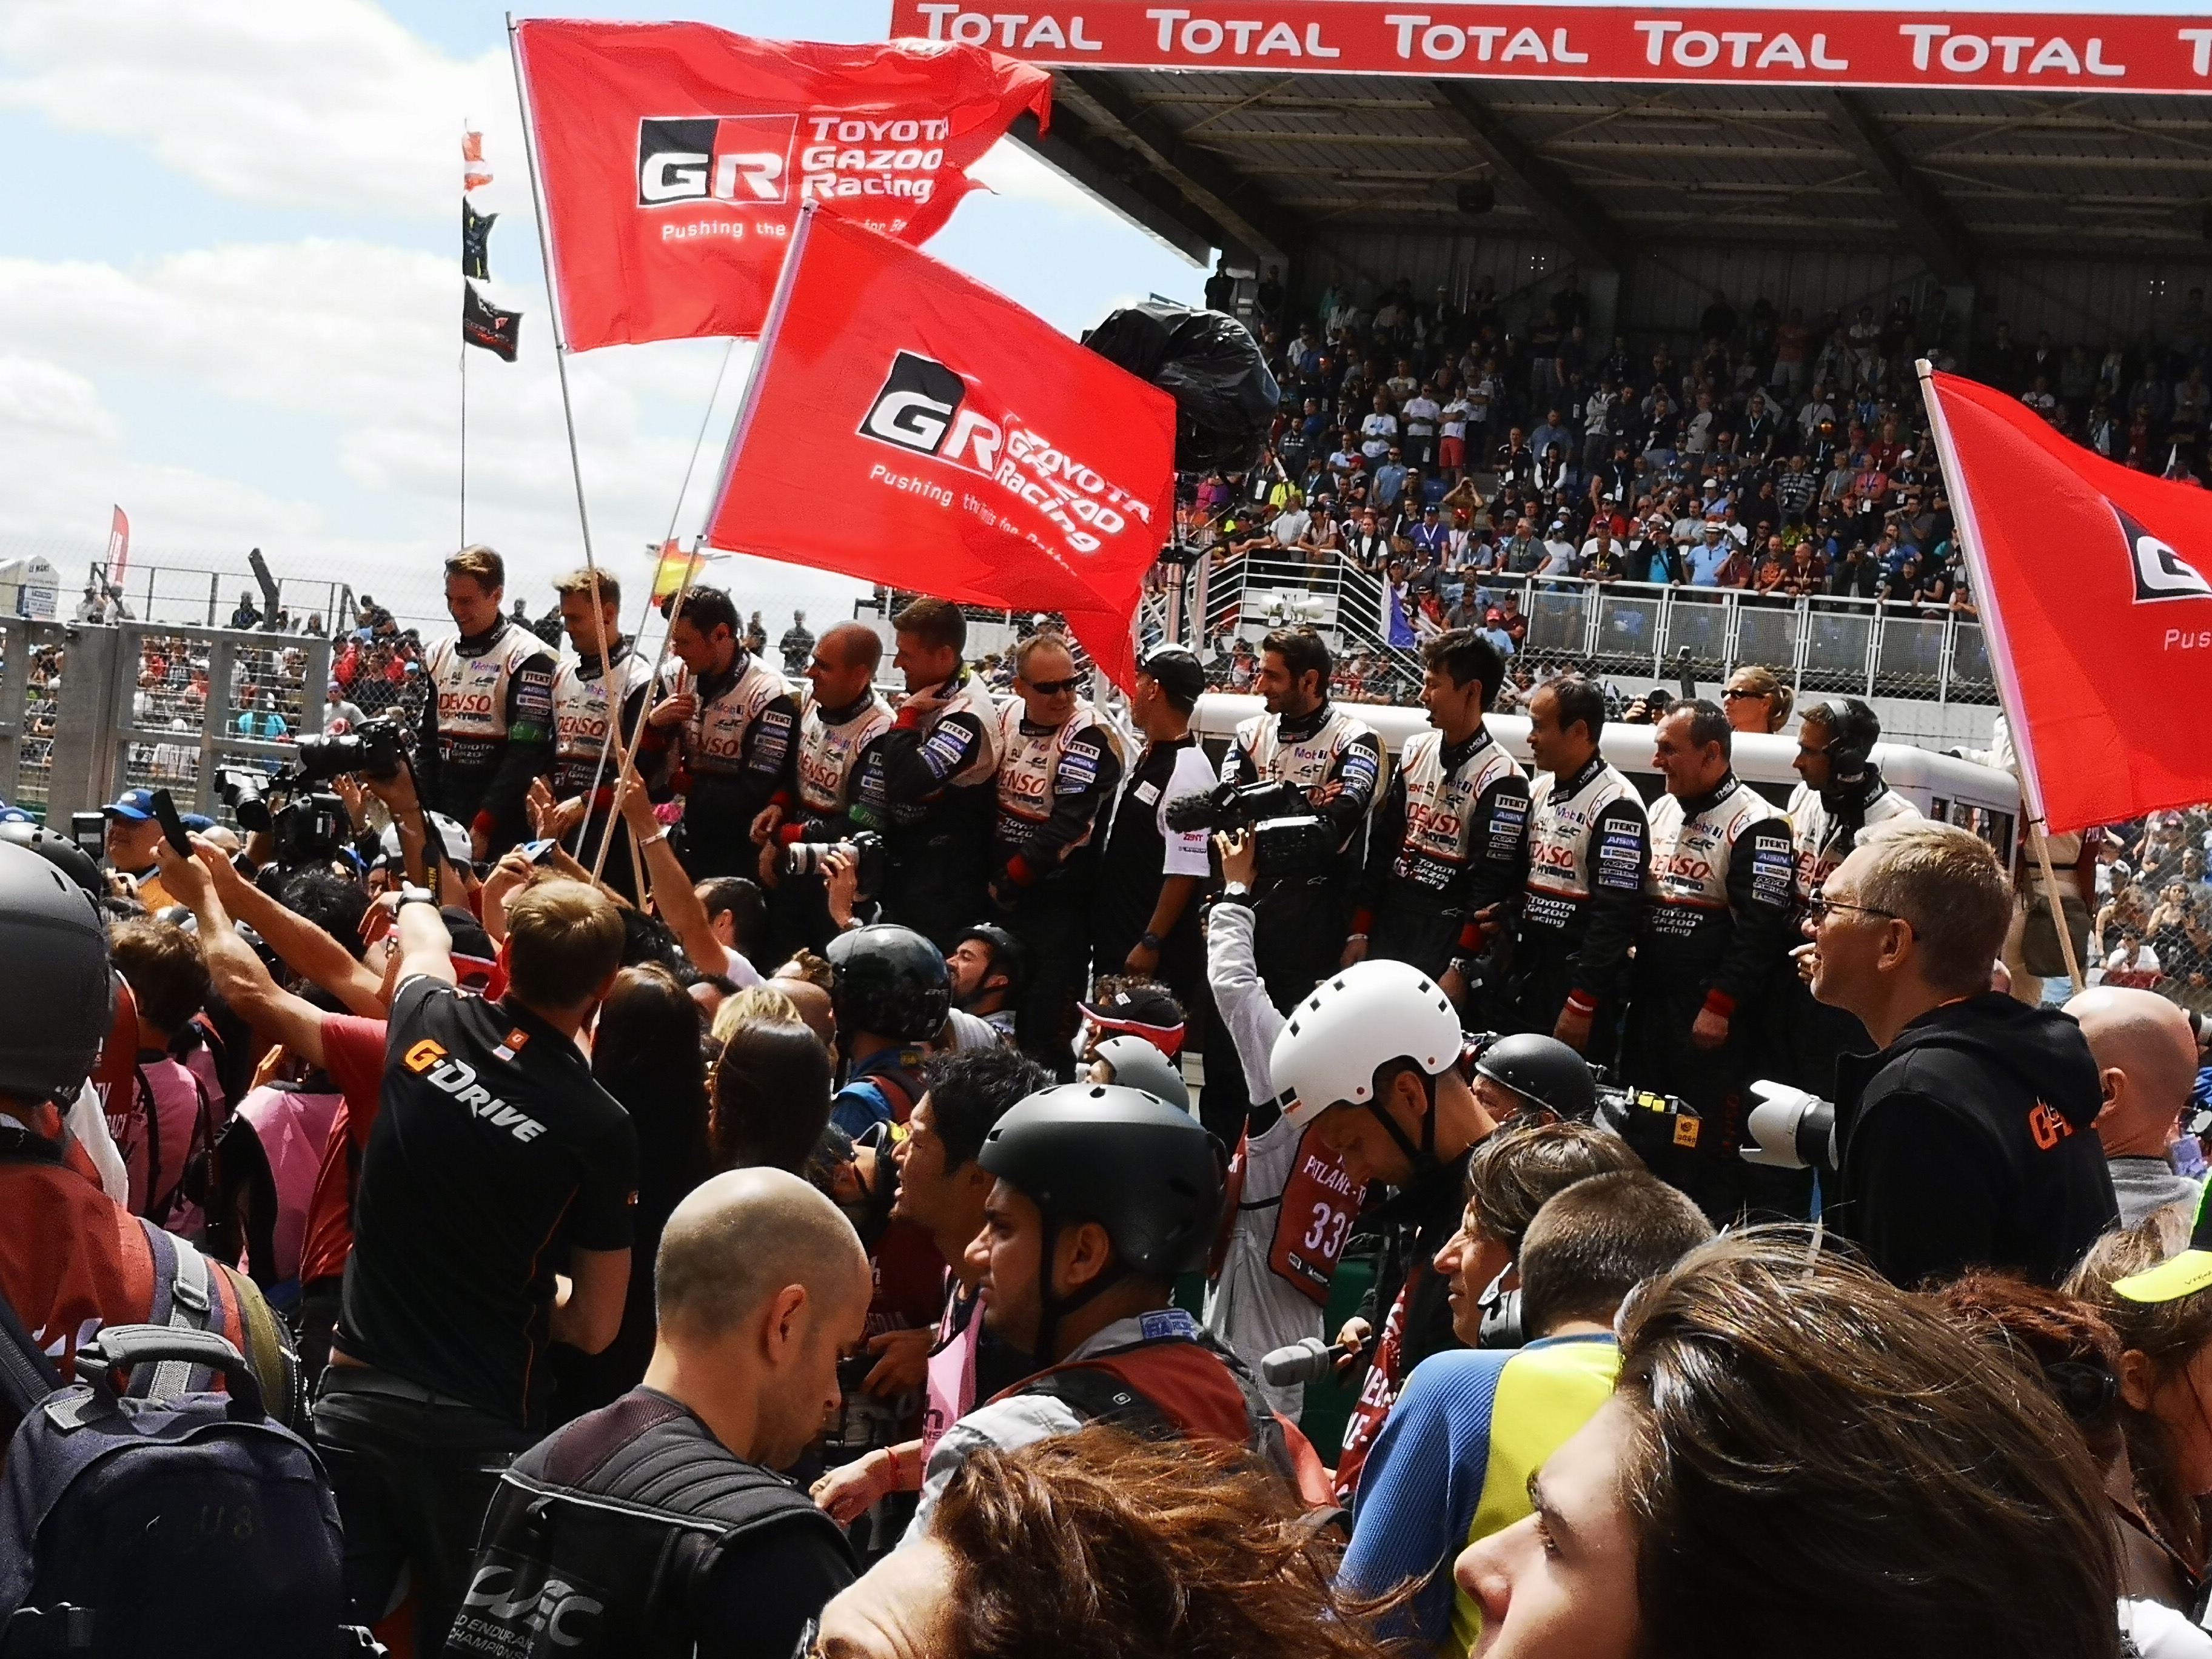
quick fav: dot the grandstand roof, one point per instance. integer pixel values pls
(1955, 177)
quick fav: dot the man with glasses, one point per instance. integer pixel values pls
(1058, 766)
(1968, 1141)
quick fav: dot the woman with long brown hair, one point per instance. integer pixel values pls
(1099, 1546)
(1803, 1459)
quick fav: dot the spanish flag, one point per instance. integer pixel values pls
(675, 567)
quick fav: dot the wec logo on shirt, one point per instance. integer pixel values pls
(743, 159)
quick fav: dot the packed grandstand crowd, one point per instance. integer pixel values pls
(1457, 453)
(733, 1159)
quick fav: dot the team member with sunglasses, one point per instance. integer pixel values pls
(1967, 1141)
(1059, 765)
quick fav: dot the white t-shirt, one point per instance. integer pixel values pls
(2156, 1631)
(1454, 415)
(1421, 416)
(1185, 849)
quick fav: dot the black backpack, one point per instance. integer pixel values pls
(169, 1521)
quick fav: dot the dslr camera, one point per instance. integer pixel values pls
(1647, 1119)
(309, 828)
(1289, 839)
(807, 858)
(376, 748)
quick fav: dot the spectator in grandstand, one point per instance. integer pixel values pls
(1757, 700)
(1962, 1141)
(1098, 1545)
(1755, 1447)
(2146, 1055)
(1453, 1464)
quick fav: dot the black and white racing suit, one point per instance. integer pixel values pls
(1715, 940)
(1450, 839)
(487, 731)
(938, 769)
(837, 788)
(733, 756)
(583, 755)
(1589, 847)
(1055, 783)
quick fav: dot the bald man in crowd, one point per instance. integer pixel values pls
(661, 1521)
(2147, 1063)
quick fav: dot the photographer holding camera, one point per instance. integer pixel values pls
(1450, 845)
(488, 722)
(1968, 1139)
(1058, 766)
(1336, 761)
(837, 790)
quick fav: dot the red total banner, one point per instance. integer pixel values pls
(910, 427)
(2084, 51)
(674, 158)
(2092, 582)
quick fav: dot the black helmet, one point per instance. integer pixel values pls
(56, 992)
(1541, 1069)
(59, 850)
(1149, 1174)
(889, 981)
(1009, 956)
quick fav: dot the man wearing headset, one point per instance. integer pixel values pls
(1843, 795)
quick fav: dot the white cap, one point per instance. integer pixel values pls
(459, 850)
(1354, 1022)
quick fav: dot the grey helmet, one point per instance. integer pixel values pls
(55, 986)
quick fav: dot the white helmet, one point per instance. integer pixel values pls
(459, 849)
(1353, 1023)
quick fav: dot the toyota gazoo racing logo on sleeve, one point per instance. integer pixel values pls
(927, 409)
(744, 161)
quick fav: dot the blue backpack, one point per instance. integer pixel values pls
(170, 1520)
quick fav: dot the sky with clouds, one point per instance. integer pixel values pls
(228, 288)
(229, 296)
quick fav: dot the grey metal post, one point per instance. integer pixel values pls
(85, 757)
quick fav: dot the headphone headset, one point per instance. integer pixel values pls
(1853, 730)
(1501, 1315)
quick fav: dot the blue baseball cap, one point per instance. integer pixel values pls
(136, 804)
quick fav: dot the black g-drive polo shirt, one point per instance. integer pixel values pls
(492, 1142)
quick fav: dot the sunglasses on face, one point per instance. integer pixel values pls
(1054, 688)
(1819, 905)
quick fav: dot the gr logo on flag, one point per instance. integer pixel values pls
(745, 160)
(915, 409)
(2160, 572)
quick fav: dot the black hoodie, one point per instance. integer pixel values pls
(1967, 1143)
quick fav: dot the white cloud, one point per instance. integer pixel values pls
(286, 103)
(45, 400)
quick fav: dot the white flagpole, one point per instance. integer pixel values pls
(1990, 610)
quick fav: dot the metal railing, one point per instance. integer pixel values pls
(1866, 646)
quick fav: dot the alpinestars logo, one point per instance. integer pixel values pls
(2160, 572)
(743, 159)
(926, 407)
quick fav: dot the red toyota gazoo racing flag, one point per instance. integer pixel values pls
(674, 158)
(2091, 583)
(910, 427)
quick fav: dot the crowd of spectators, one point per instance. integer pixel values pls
(1431, 446)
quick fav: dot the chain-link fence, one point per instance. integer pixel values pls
(2153, 928)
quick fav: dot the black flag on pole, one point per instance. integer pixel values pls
(476, 242)
(484, 324)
